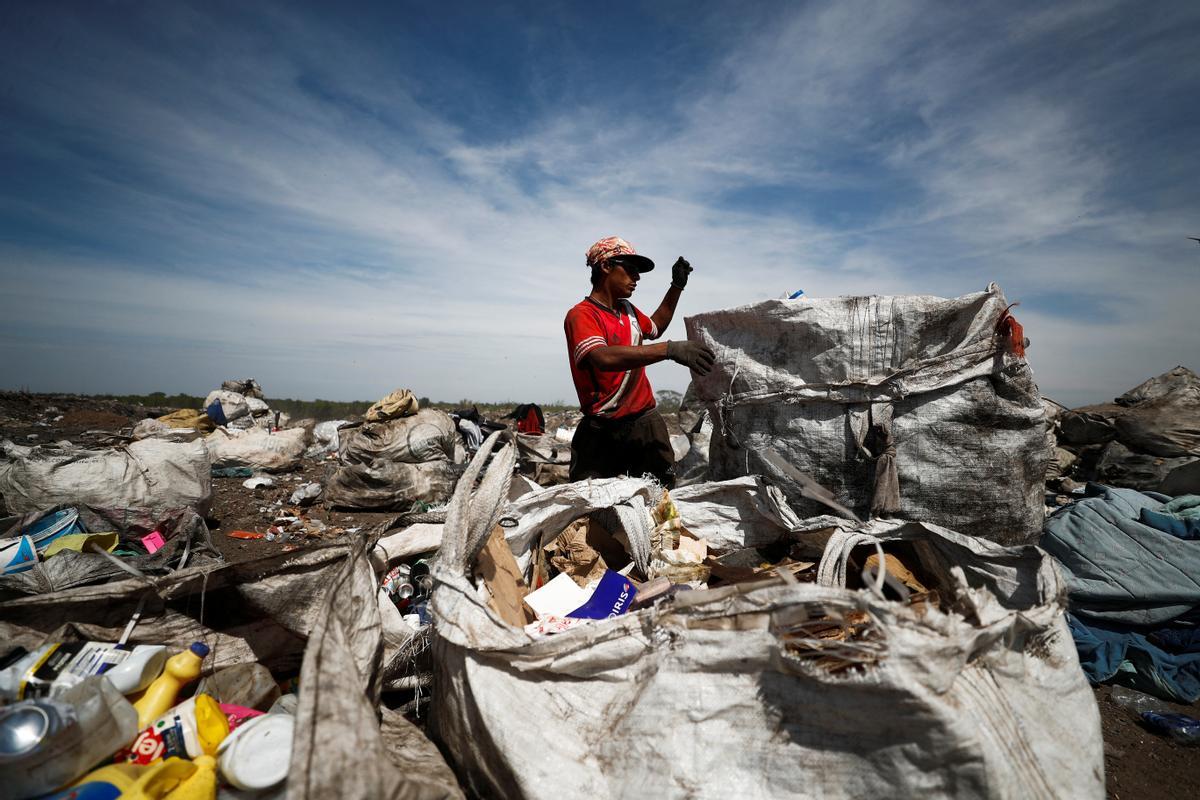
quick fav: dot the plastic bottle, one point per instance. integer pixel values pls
(47, 743)
(1180, 727)
(195, 727)
(1136, 703)
(107, 782)
(258, 754)
(161, 694)
(173, 779)
(51, 669)
(138, 671)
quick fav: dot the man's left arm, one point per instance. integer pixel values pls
(666, 309)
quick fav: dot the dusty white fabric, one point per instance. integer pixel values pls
(722, 694)
(901, 406)
(257, 448)
(149, 474)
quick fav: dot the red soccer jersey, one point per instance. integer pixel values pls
(608, 394)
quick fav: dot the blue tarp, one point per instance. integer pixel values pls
(1119, 570)
(1107, 653)
(1126, 583)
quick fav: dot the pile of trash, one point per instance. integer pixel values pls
(610, 612)
(843, 596)
(262, 677)
(76, 545)
(397, 456)
(1146, 439)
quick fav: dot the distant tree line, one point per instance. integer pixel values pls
(326, 409)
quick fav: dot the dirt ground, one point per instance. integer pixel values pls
(1138, 763)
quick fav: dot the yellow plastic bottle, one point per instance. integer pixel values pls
(160, 696)
(173, 779)
(201, 784)
(121, 777)
(176, 779)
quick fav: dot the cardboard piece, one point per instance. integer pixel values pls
(497, 570)
(572, 554)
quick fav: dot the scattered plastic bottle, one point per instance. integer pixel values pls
(53, 668)
(161, 695)
(1180, 727)
(1136, 703)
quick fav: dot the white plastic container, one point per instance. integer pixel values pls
(51, 669)
(137, 671)
(258, 754)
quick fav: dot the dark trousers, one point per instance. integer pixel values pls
(635, 446)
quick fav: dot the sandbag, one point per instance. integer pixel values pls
(317, 610)
(257, 407)
(693, 467)
(156, 429)
(1171, 383)
(723, 693)
(188, 418)
(386, 485)
(257, 448)
(428, 435)
(910, 407)
(230, 405)
(151, 474)
(1164, 424)
(1182, 479)
(247, 387)
(400, 403)
(1120, 466)
(1083, 427)
(185, 542)
(325, 437)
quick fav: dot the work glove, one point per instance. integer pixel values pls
(692, 355)
(679, 272)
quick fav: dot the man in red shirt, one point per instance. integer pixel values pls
(622, 432)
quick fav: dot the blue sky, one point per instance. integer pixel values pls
(344, 199)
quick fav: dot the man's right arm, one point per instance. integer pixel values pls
(613, 358)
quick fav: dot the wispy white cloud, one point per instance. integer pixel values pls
(318, 222)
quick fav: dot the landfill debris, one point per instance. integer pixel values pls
(245, 535)
(246, 685)
(306, 494)
(948, 375)
(82, 544)
(1180, 727)
(256, 448)
(51, 742)
(194, 727)
(146, 474)
(160, 695)
(264, 481)
(325, 438)
(1147, 439)
(258, 754)
(772, 621)
(1123, 603)
(400, 403)
(52, 669)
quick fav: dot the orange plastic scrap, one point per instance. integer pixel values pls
(244, 535)
(1012, 332)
